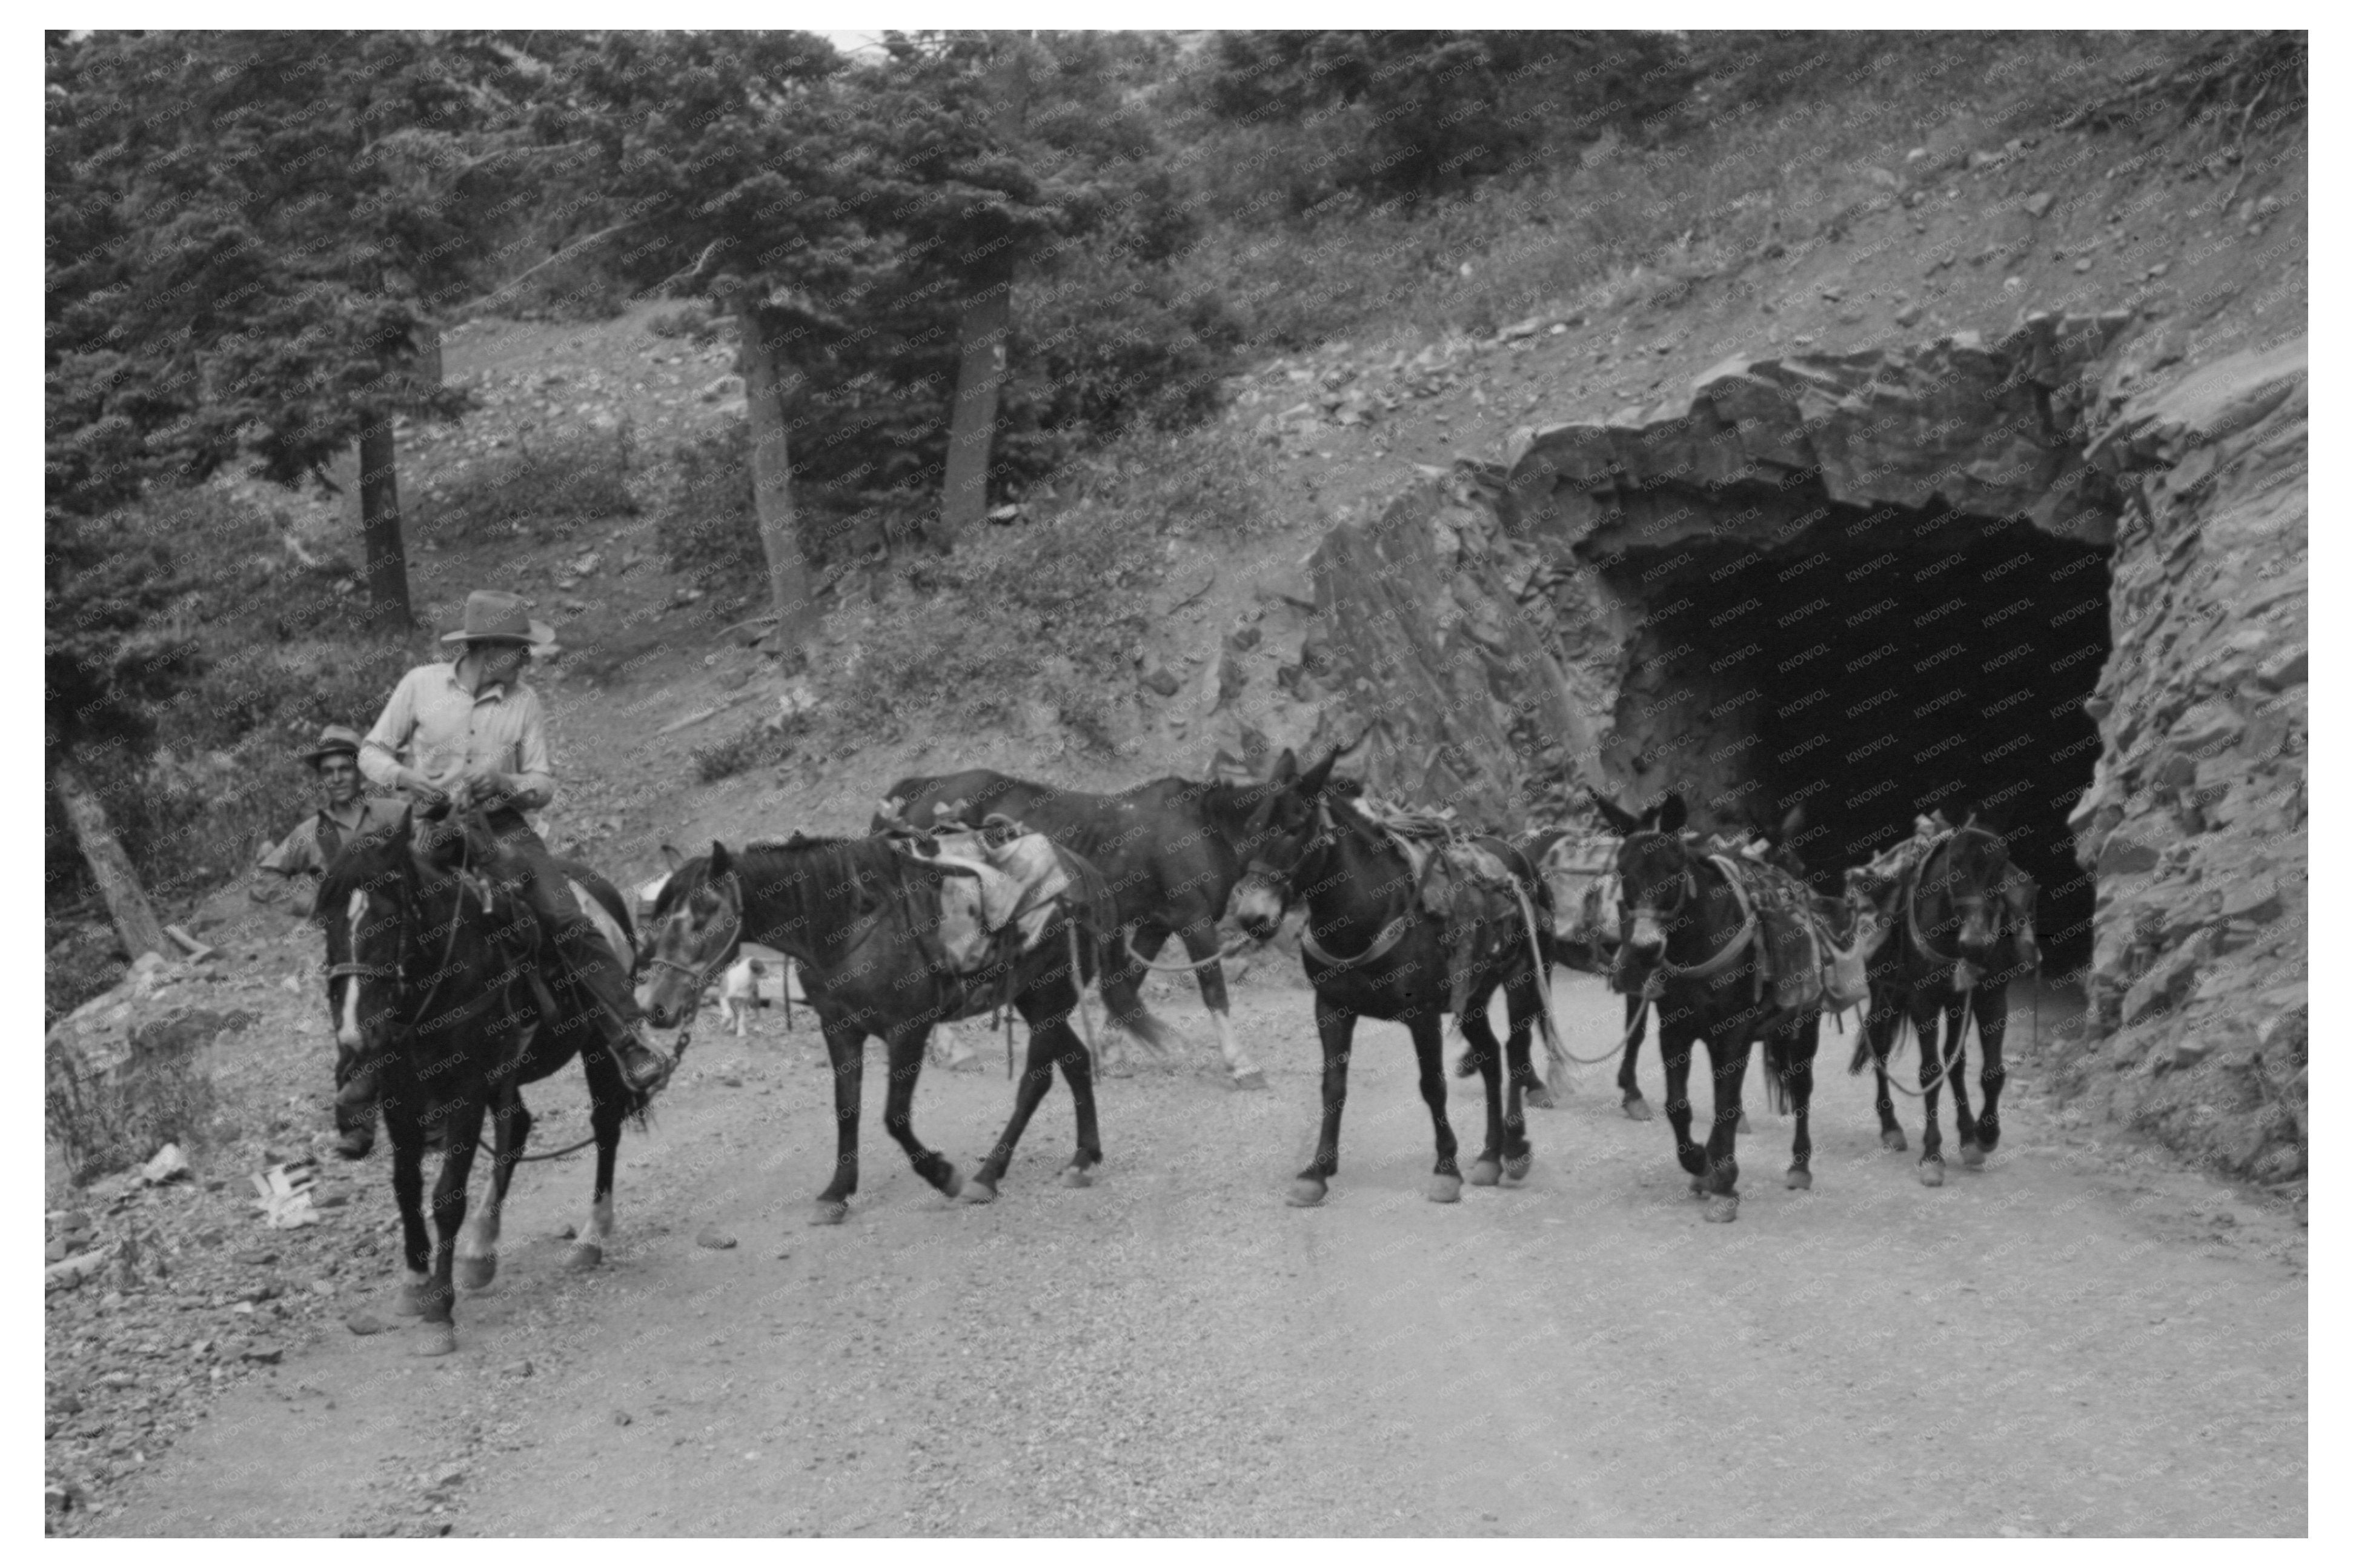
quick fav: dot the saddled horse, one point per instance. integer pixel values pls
(1371, 950)
(1960, 928)
(860, 918)
(1697, 948)
(1172, 851)
(1596, 950)
(441, 1026)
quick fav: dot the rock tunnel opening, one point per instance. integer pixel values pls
(1872, 663)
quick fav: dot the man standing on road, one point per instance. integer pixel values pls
(347, 814)
(473, 735)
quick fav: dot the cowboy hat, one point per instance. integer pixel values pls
(495, 617)
(335, 739)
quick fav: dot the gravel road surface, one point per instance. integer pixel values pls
(2082, 1339)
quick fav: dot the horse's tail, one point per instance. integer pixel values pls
(1118, 978)
(1777, 1065)
(1862, 1057)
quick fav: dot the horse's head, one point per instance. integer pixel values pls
(366, 904)
(697, 926)
(1655, 885)
(1291, 818)
(1958, 898)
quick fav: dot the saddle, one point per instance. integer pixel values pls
(1459, 882)
(1006, 885)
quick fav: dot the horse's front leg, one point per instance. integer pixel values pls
(845, 1048)
(1881, 1021)
(1335, 1027)
(1924, 1012)
(609, 1108)
(1629, 1094)
(1956, 1042)
(409, 1196)
(1727, 1049)
(904, 1049)
(1428, 1029)
(1676, 1039)
(465, 1125)
(1805, 1044)
(477, 1249)
(1992, 1008)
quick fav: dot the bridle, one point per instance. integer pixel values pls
(1321, 838)
(702, 974)
(1664, 968)
(1964, 970)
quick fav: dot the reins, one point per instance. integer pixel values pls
(1230, 950)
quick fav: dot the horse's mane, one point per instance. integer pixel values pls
(834, 866)
(364, 862)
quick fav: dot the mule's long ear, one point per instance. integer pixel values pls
(721, 862)
(1673, 814)
(1311, 783)
(672, 859)
(1621, 821)
(1286, 767)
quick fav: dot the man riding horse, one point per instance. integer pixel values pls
(474, 737)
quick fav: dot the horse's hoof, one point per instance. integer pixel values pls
(410, 1302)
(1539, 1099)
(979, 1192)
(1486, 1172)
(829, 1212)
(951, 1184)
(1744, 1122)
(1445, 1190)
(1892, 1139)
(1637, 1108)
(1253, 1079)
(1798, 1181)
(477, 1272)
(1972, 1157)
(1076, 1176)
(1699, 1186)
(435, 1339)
(1723, 1209)
(1304, 1193)
(1516, 1168)
(587, 1255)
(1932, 1172)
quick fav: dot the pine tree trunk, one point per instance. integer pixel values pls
(134, 917)
(772, 480)
(387, 562)
(981, 335)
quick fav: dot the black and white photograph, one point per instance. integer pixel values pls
(933, 785)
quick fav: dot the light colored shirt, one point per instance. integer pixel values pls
(435, 727)
(318, 839)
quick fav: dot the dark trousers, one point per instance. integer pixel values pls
(524, 864)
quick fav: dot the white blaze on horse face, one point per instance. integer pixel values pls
(347, 1026)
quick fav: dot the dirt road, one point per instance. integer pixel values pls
(2079, 1340)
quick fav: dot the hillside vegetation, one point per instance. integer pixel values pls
(545, 325)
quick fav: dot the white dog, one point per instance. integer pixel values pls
(739, 993)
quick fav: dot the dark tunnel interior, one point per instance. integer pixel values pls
(1874, 665)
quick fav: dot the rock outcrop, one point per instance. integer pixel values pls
(2194, 826)
(1503, 634)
